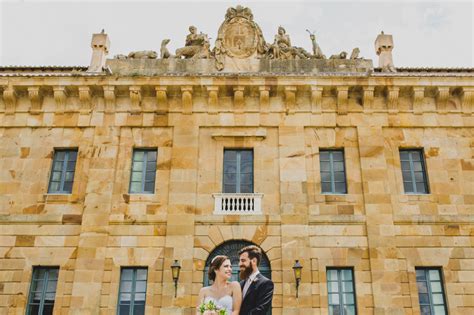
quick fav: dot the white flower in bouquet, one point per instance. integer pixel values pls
(210, 308)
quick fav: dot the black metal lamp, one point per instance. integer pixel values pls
(297, 269)
(175, 269)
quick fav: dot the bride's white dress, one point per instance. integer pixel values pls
(224, 302)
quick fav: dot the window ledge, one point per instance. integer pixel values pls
(139, 197)
(259, 134)
(60, 198)
(417, 197)
(336, 198)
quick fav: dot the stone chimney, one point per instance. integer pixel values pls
(100, 48)
(383, 48)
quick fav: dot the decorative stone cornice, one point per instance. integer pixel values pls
(468, 100)
(60, 97)
(418, 96)
(290, 99)
(342, 96)
(85, 98)
(392, 102)
(212, 102)
(161, 99)
(109, 98)
(239, 102)
(36, 99)
(368, 97)
(264, 98)
(135, 98)
(442, 98)
(9, 97)
(187, 99)
(316, 98)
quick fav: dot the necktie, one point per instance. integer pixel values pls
(246, 287)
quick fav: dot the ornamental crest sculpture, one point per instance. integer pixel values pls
(238, 37)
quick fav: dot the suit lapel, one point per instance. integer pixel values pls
(251, 287)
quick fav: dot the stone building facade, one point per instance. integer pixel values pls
(286, 112)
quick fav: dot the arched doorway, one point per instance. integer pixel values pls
(231, 249)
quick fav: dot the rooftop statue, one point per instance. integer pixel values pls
(196, 46)
(281, 48)
(317, 52)
(143, 54)
(164, 52)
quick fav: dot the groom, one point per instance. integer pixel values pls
(257, 291)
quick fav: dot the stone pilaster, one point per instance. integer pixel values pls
(179, 242)
(294, 215)
(386, 286)
(91, 253)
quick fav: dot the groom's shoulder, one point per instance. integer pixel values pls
(265, 279)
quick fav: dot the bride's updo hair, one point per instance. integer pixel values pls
(216, 263)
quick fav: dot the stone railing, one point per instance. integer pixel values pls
(238, 203)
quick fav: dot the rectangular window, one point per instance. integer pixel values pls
(333, 174)
(341, 291)
(132, 291)
(238, 171)
(62, 171)
(42, 290)
(143, 173)
(413, 172)
(430, 291)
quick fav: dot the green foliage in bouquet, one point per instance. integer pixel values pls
(211, 306)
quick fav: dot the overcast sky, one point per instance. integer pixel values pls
(426, 33)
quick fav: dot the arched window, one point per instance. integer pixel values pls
(231, 249)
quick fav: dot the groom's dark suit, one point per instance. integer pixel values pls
(258, 299)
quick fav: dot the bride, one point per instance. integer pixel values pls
(225, 294)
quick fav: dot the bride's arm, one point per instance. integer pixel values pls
(236, 297)
(200, 300)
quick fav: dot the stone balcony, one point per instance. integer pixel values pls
(242, 204)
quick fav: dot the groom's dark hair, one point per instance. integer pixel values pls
(253, 252)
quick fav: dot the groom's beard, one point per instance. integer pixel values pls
(244, 274)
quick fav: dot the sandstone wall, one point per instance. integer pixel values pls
(376, 228)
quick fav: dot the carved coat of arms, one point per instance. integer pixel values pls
(238, 37)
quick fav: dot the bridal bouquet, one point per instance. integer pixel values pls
(210, 308)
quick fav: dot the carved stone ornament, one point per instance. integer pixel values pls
(238, 37)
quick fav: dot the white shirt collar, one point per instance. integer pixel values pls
(253, 275)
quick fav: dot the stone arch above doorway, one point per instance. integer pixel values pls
(231, 249)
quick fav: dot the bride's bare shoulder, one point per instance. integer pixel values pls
(235, 284)
(204, 290)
